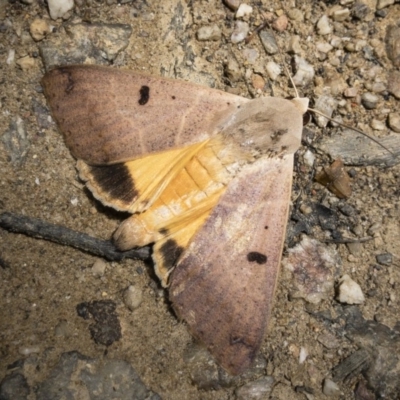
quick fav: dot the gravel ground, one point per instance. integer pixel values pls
(347, 58)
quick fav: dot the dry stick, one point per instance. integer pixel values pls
(348, 240)
(67, 237)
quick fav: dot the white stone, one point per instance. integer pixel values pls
(324, 47)
(305, 72)
(133, 297)
(240, 31)
(330, 388)
(273, 70)
(10, 57)
(309, 158)
(323, 26)
(99, 267)
(377, 125)
(349, 291)
(244, 10)
(58, 8)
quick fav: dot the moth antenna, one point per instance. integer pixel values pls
(352, 128)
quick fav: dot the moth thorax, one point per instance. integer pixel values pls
(266, 125)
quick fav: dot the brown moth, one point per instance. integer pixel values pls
(207, 177)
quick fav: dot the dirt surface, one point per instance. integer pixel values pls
(41, 283)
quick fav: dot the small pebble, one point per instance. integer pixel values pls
(394, 122)
(323, 26)
(374, 228)
(326, 105)
(324, 47)
(11, 57)
(296, 14)
(99, 267)
(232, 4)
(250, 55)
(341, 15)
(133, 297)
(25, 351)
(378, 125)
(62, 329)
(281, 23)
(273, 70)
(269, 42)
(309, 158)
(328, 340)
(360, 10)
(244, 10)
(330, 388)
(39, 28)
(240, 32)
(394, 83)
(384, 3)
(384, 259)
(369, 100)
(26, 63)
(58, 8)
(349, 291)
(378, 87)
(258, 81)
(294, 44)
(304, 72)
(210, 32)
(303, 355)
(232, 70)
(256, 390)
(350, 92)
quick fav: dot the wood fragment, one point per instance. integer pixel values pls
(39, 229)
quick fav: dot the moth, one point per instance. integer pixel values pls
(207, 178)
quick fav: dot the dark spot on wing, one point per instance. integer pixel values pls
(255, 256)
(173, 97)
(170, 252)
(144, 95)
(116, 181)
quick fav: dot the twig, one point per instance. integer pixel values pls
(348, 240)
(67, 237)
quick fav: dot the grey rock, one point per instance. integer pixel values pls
(85, 42)
(384, 259)
(14, 387)
(77, 376)
(16, 142)
(269, 42)
(369, 100)
(256, 390)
